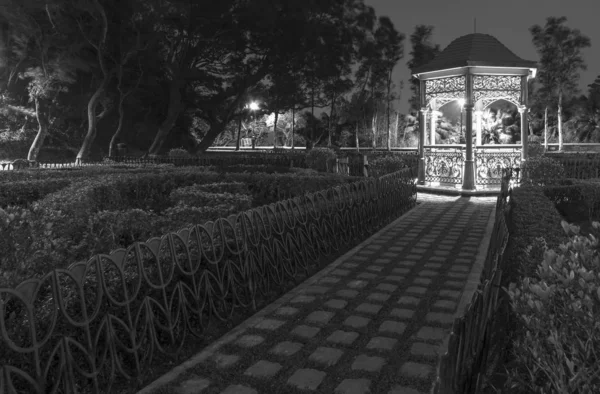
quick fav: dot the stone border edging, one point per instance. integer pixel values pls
(232, 335)
(473, 282)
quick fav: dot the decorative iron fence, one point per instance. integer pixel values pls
(444, 165)
(579, 166)
(490, 164)
(466, 361)
(84, 328)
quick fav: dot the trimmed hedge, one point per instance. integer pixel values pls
(24, 193)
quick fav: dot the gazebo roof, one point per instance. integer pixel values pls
(475, 49)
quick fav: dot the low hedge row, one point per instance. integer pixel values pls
(23, 193)
(579, 194)
(84, 218)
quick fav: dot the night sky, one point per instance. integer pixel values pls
(507, 20)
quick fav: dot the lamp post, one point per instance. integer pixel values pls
(253, 106)
(461, 102)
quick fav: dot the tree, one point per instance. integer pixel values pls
(561, 60)
(423, 51)
(390, 46)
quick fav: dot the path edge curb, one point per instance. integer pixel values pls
(209, 350)
(470, 287)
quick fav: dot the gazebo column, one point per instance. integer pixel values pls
(469, 174)
(434, 115)
(422, 128)
(478, 120)
(524, 132)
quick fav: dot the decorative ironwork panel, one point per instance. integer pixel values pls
(444, 166)
(489, 165)
(79, 330)
(448, 88)
(496, 87)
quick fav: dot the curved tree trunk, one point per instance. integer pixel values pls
(175, 108)
(546, 128)
(560, 132)
(42, 119)
(113, 140)
(275, 129)
(212, 133)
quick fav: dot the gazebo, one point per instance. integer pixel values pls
(476, 70)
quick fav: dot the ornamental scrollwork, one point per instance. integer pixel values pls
(444, 166)
(494, 87)
(448, 88)
(490, 165)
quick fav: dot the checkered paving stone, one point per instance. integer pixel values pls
(372, 324)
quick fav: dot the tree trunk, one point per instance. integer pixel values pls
(313, 132)
(374, 131)
(38, 142)
(239, 133)
(395, 134)
(293, 130)
(356, 137)
(113, 140)
(275, 129)
(212, 133)
(546, 128)
(331, 120)
(560, 133)
(387, 112)
(175, 108)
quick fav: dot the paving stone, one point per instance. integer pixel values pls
(357, 284)
(460, 268)
(445, 304)
(286, 348)
(316, 290)
(336, 304)
(396, 248)
(408, 300)
(353, 386)
(401, 271)
(378, 297)
(433, 265)
(358, 258)
(382, 261)
(414, 256)
(402, 313)
(320, 317)
(238, 389)
(418, 250)
(347, 293)
(306, 378)
(416, 370)
(269, 324)
(392, 326)
(390, 255)
(368, 252)
(305, 331)
(356, 321)
(249, 340)
(263, 369)
(328, 280)
(428, 273)
(366, 363)
(387, 287)
(460, 260)
(225, 360)
(424, 350)
(375, 268)
(407, 263)
(416, 290)
(286, 311)
(431, 333)
(302, 299)
(457, 275)
(349, 265)
(373, 247)
(395, 278)
(422, 281)
(438, 258)
(445, 247)
(371, 309)
(455, 283)
(441, 318)
(340, 272)
(454, 294)
(466, 254)
(343, 337)
(327, 356)
(366, 275)
(193, 385)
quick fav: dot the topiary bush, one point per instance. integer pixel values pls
(380, 165)
(558, 346)
(321, 159)
(178, 152)
(542, 171)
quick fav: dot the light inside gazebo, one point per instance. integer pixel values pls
(461, 102)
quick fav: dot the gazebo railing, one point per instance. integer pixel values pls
(444, 164)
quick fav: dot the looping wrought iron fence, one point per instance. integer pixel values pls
(84, 328)
(463, 367)
(490, 164)
(444, 166)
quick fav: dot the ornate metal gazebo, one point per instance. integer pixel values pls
(480, 70)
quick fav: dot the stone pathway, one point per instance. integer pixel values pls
(372, 324)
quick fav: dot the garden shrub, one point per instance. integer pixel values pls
(194, 196)
(24, 193)
(558, 346)
(178, 152)
(542, 171)
(184, 215)
(321, 159)
(381, 165)
(535, 149)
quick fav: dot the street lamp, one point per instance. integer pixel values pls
(461, 102)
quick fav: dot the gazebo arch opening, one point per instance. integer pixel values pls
(477, 71)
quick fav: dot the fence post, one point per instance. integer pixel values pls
(365, 166)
